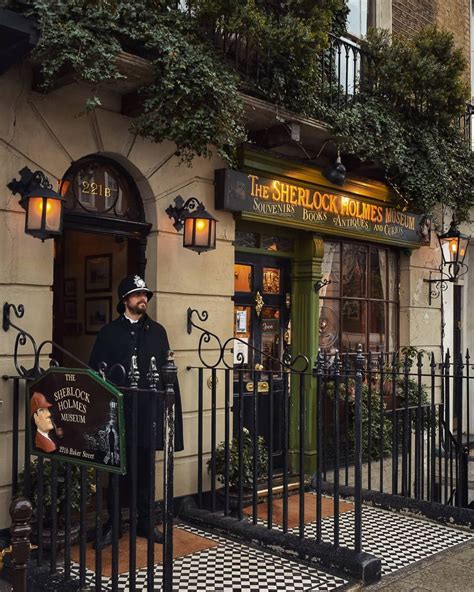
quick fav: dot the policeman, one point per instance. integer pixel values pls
(134, 333)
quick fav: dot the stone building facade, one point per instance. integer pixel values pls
(52, 133)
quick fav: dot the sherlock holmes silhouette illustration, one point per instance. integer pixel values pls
(41, 415)
(134, 333)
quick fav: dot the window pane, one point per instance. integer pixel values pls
(392, 276)
(354, 325)
(242, 278)
(271, 280)
(393, 327)
(378, 273)
(377, 326)
(277, 243)
(329, 325)
(270, 327)
(243, 355)
(354, 270)
(246, 239)
(358, 17)
(331, 270)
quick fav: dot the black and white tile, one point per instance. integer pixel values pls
(398, 540)
(232, 567)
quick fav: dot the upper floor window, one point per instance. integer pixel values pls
(359, 18)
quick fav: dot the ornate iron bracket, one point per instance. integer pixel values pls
(180, 207)
(23, 337)
(437, 285)
(28, 182)
(207, 336)
(321, 284)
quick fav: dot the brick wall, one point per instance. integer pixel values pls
(409, 16)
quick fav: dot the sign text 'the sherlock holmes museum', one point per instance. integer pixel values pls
(316, 208)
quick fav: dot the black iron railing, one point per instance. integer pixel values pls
(382, 423)
(409, 408)
(53, 483)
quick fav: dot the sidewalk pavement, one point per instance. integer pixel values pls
(449, 571)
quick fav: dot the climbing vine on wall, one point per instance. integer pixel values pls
(407, 119)
(193, 99)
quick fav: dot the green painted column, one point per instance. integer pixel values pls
(305, 340)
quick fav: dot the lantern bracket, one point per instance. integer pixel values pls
(438, 285)
(28, 183)
(181, 208)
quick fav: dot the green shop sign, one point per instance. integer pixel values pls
(78, 417)
(317, 208)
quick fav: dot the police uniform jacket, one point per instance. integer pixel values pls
(115, 344)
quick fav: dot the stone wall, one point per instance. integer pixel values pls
(48, 132)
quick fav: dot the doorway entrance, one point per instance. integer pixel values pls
(261, 320)
(104, 240)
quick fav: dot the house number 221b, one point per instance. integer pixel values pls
(96, 189)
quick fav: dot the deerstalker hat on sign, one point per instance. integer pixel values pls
(129, 285)
(38, 401)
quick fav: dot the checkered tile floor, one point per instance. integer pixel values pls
(231, 567)
(398, 540)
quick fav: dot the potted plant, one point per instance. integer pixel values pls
(247, 464)
(74, 498)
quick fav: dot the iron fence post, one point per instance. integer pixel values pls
(359, 364)
(20, 531)
(169, 373)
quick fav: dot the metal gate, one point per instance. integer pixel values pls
(58, 507)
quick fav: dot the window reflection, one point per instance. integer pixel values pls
(360, 305)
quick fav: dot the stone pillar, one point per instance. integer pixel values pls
(305, 340)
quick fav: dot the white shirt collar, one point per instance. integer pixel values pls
(133, 321)
(45, 434)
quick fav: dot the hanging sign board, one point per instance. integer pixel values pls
(77, 417)
(317, 208)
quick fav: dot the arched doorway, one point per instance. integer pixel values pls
(104, 239)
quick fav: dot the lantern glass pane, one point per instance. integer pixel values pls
(463, 244)
(188, 236)
(35, 213)
(202, 235)
(53, 215)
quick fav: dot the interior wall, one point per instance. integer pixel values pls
(78, 246)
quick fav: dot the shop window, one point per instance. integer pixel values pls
(360, 305)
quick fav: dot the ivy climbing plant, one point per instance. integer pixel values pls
(407, 117)
(194, 98)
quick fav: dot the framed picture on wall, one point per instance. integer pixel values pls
(70, 287)
(98, 312)
(70, 310)
(98, 273)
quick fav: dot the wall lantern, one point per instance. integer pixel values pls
(199, 226)
(43, 205)
(453, 245)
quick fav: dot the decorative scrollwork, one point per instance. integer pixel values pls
(299, 363)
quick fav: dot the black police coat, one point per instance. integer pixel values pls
(116, 343)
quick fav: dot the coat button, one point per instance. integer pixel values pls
(132, 332)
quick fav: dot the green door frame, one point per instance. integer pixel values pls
(306, 260)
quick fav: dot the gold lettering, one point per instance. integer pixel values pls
(254, 180)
